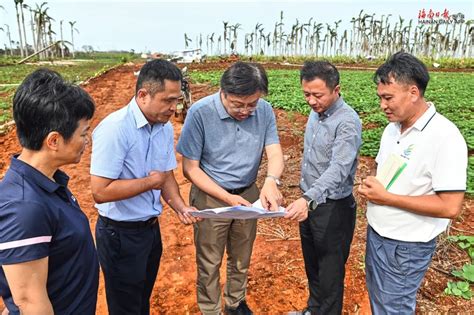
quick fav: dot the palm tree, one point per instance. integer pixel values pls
(62, 38)
(50, 37)
(9, 39)
(257, 41)
(234, 29)
(71, 23)
(24, 6)
(187, 40)
(281, 32)
(41, 15)
(225, 36)
(18, 3)
(32, 24)
(211, 39)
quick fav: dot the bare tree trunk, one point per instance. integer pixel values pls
(24, 30)
(33, 31)
(19, 30)
(62, 39)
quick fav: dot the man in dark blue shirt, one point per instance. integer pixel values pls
(47, 253)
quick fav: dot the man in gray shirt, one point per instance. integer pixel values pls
(222, 143)
(327, 209)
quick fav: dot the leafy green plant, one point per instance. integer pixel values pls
(466, 274)
(459, 288)
(464, 242)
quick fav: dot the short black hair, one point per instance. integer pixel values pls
(154, 73)
(45, 102)
(322, 70)
(244, 78)
(403, 68)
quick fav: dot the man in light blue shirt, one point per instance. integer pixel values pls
(327, 209)
(132, 167)
(222, 143)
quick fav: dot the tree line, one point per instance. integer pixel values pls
(444, 35)
(36, 34)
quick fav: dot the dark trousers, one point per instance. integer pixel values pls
(326, 237)
(130, 259)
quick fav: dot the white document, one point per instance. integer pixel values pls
(390, 170)
(239, 212)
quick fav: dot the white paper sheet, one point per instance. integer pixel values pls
(239, 212)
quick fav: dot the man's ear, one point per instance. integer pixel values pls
(337, 89)
(141, 94)
(52, 140)
(414, 92)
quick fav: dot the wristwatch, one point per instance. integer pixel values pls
(312, 204)
(276, 179)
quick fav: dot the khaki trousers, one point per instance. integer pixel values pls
(211, 237)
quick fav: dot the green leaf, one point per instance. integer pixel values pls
(470, 251)
(457, 292)
(464, 245)
(468, 272)
(457, 273)
(463, 286)
(467, 295)
(468, 238)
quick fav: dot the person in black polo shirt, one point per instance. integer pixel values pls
(48, 260)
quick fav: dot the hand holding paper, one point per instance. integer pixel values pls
(256, 211)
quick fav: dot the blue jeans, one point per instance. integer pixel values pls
(394, 270)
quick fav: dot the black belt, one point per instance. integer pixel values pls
(237, 191)
(129, 224)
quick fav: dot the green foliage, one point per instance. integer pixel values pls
(361, 61)
(470, 176)
(466, 274)
(464, 242)
(459, 288)
(11, 75)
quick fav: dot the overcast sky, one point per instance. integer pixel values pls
(160, 25)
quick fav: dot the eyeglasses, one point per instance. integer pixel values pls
(240, 107)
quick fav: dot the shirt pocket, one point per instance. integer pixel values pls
(160, 160)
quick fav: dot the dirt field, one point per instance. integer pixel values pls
(277, 282)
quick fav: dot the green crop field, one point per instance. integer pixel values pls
(450, 92)
(76, 71)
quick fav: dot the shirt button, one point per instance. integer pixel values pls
(309, 150)
(305, 164)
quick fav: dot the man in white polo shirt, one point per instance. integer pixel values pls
(418, 199)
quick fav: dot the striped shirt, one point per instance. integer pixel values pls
(331, 145)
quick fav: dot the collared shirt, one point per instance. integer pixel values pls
(41, 218)
(331, 145)
(229, 150)
(436, 157)
(126, 146)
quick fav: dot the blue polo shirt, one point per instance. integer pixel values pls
(126, 146)
(229, 150)
(41, 218)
